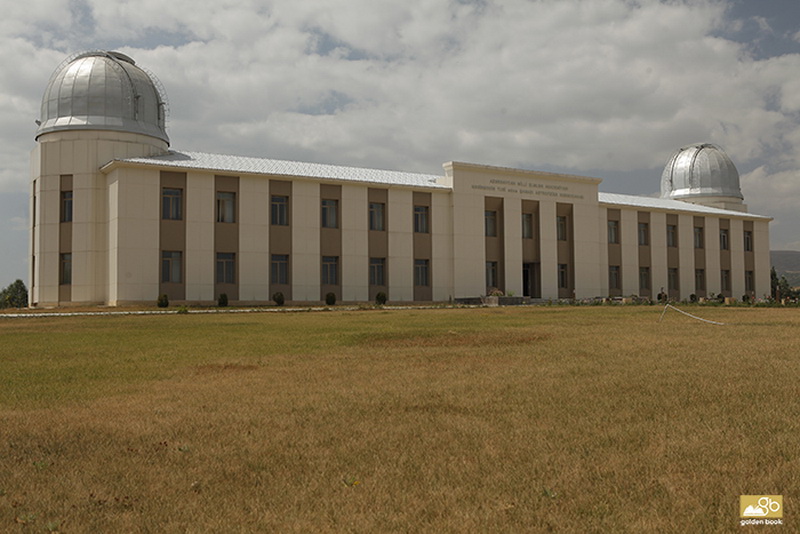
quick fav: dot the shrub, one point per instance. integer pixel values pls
(330, 299)
(222, 301)
(163, 301)
(692, 298)
(278, 298)
(380, 298)
(183, 309)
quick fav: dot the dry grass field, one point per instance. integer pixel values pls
(549, 419)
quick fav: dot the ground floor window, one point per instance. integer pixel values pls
(330, 270)
(65, 269)
(673, 282)
(613, 277)
(644, 278)
(279, 269)
(699, 280)
(422, 273)
(171, 263)
(226, 268)
(377, 271)
(749, 281)
(491, 275)
(563, 276)
(725, 280)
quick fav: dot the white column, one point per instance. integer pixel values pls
(591, 250)
(512, 245)
(548, 249)
(254, 207)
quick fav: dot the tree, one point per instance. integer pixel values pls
(14, 296)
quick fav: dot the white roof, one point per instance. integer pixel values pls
(665, 204)
(276, 167)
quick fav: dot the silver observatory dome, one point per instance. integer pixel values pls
(700, 171)
(103, 91)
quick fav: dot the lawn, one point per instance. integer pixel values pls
(542, 419)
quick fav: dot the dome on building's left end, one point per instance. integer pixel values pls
(103, 90)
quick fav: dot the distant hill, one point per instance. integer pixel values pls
(787, 263)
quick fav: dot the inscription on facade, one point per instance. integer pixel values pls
(527, 188)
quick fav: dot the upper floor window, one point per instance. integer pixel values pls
(421, 224)
(226, 207)
(723, 239)
(672, 235)
(279, 210)
(644, 234)
(748, 241)
(698, 237)
(330, 215)
(172, 204)
(490, 223)
(377, 219)
(66, 206)
(561, 228)
(527, 226)
(613, 232)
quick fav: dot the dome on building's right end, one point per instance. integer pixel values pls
(700, 171)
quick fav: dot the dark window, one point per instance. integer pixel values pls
(749, 281)
(725, 280)
(171, 266)
(279, 210)
(673, 281)
(330, 216)
(700, 279)
(330, 270)
(672, 235)
(421, 225)
(561, 228)
(527, 226)
(377, 271)
(698, 237)
(491, 275)
(422, 273)
(644, 278)
(613, 232)
(279, 269)
(226, 268)
(172, 204)
(66, 206)
(613, 277)
(748, 241)
(723, 239)
(490, 220)
(226, 207)
(563, 276)
(377, 216)
(65, 269)
(644, 234)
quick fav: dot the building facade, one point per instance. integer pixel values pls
(120, 218)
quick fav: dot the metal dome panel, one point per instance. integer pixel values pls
(700, 171)
(103, 91)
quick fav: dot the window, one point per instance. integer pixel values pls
(172, 204)
(748, 241)
(673, 282)
(330, 270)
(698, 237)
(672, 235)
(491, 274)
(279, 210)
(700, 279)
(644, 234)
(563, 276)
(723, 239)
(376, 216)
(644, 278)
(561, 228)
(613, 232)
(330, 217)
(490, 220)
(749, 282)
(226, 268)
(66, 206)
(422, 273)
(613, 277)
(171, 266)
(377, 271)
(421, 225)
(279, 269)
(725, 280)
(527, 226)
(65, 269)
(226, 207)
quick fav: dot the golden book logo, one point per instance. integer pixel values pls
(758, 506)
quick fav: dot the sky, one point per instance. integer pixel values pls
(602, 88)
